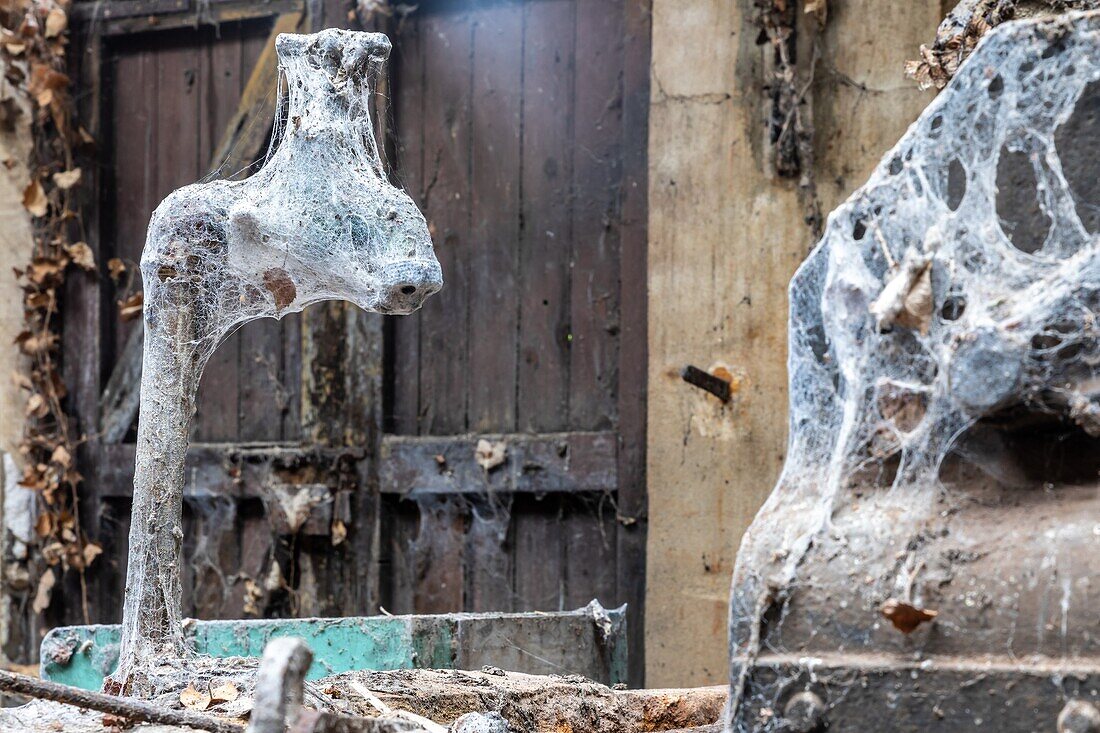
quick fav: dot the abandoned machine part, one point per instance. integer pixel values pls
(929, 554)
(319, 221)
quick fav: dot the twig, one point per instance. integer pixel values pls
(128, 708)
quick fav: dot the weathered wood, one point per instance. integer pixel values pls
(495, 162)
(125, 17)
(630, 505)
(443, 320)
(546, 244)
(533, 703)
(539, 464)
(241, 471)
(403, 335)
(597, 177)
(242, 142)
(246, 133)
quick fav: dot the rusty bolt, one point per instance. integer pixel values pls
(804, 712)
(1079, 716)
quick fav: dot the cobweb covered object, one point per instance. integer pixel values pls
(944, 398)
(319, 221)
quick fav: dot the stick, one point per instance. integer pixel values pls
(121, 707)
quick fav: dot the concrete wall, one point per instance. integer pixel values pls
(723, 242)
(15, 251)
(16, 244)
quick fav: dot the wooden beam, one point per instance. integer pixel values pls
(535, 464)
(125, 17)
(231, 469)
(242, 143)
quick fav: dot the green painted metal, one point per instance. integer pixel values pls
(81, 656)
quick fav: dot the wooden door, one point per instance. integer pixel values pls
(279, 508)
(521, 133)
(520, 129)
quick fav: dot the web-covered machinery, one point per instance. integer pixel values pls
(930, 557)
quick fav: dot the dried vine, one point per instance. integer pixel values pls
(790, 114)
(33, 42)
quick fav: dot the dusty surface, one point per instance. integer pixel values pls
(541, 704)
(724, 242)
(530, 703)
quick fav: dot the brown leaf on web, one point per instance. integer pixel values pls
(278, 283)
(904, 616)
(130, 308)
(225, 692)
(193, 699)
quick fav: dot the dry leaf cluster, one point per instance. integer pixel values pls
(967, 24)
(33, 44)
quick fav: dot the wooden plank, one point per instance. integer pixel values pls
(536, 464)
(597, 179)
(539, 561)
(245, 137)
(443, 358)
(495, 206)
(217, 414)
(490, 582)
(548, 66)
(241, 471)
(590, 549)
(404, 331)
(633, 338)
(437, 555)
(142, 16)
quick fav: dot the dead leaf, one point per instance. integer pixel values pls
(252, 596)
(916, 311)
(92, 550)
(81, 255)
(130, 308)
(904, 616)
(45, 81)
(226, 692)
(61, 456)
(35, 343)
(193, 699)
(67, 179)
(278, 282)
(56, 22)
(116, 267)
(34, 199)
(817, 8)
(45, 591)
(37, 406)
(43, 526)
(339, 532)
(490, 455)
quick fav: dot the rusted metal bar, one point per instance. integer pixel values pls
(707, 382)
(122, 707)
